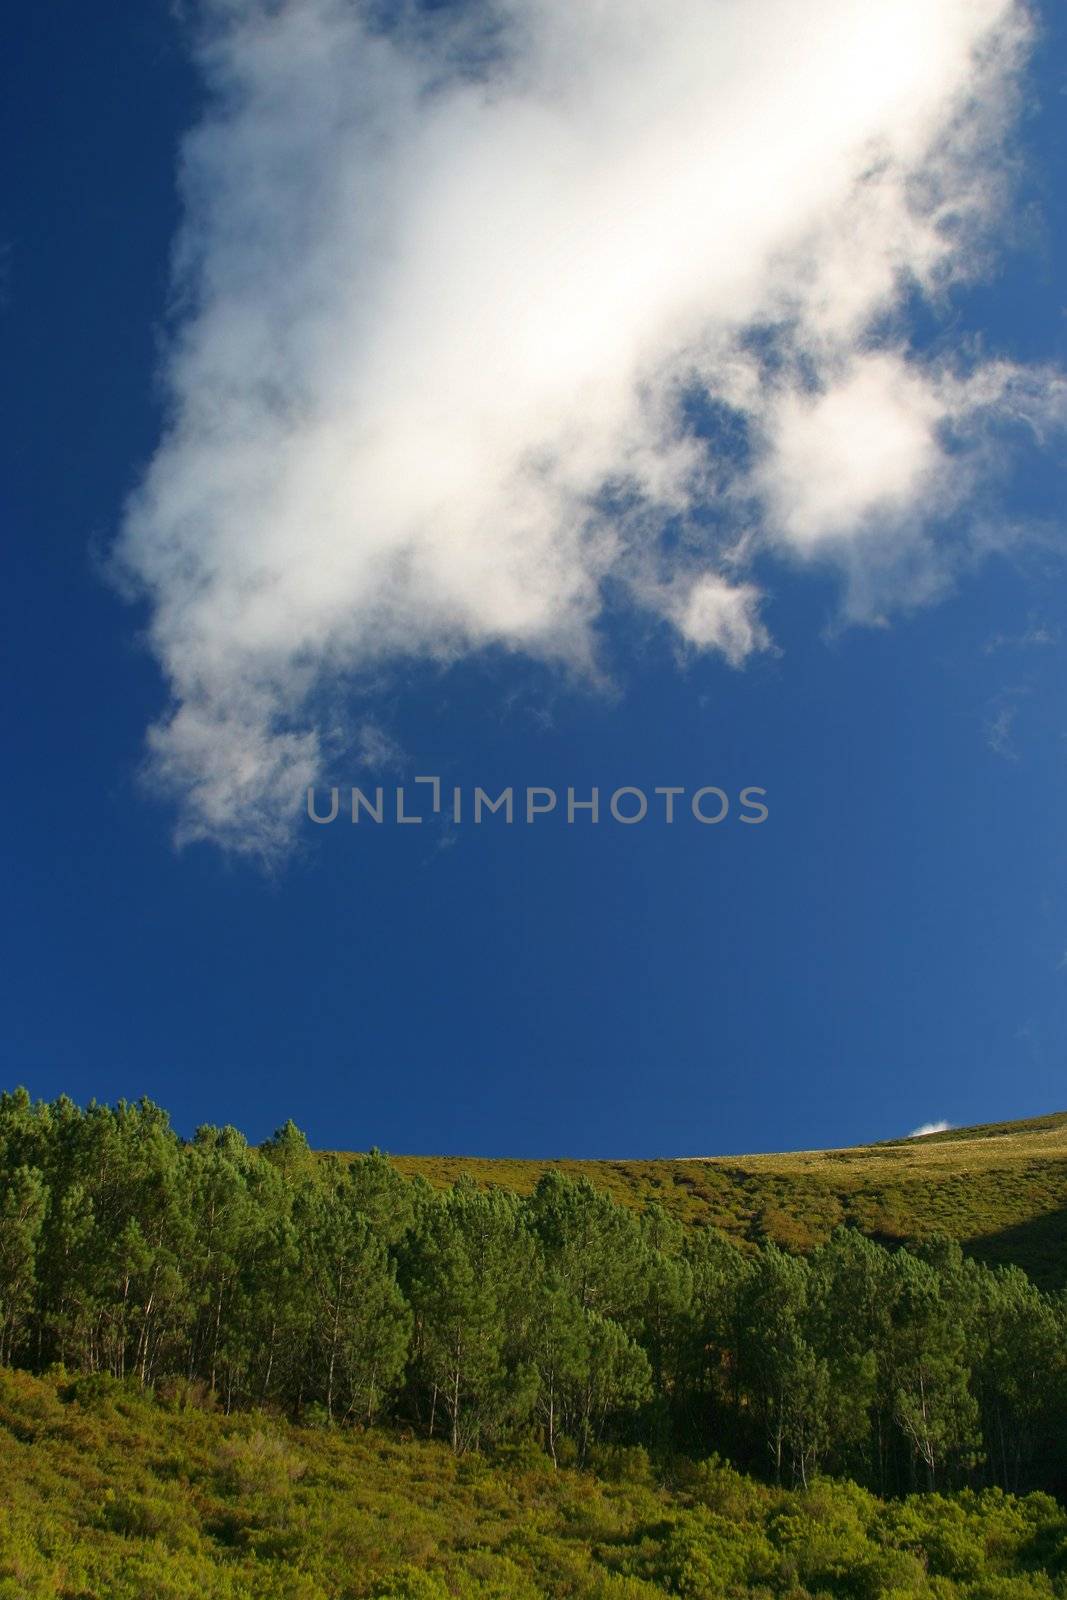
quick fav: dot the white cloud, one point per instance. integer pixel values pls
(449, 290)
(1000, 731)
(714, 614)
(1034, 636)
(929, 1127)
(851, 455)
(375, 748)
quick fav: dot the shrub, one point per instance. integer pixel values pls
(258, 1464)
(178, 1393)
(145, 1516)
(409, 1583)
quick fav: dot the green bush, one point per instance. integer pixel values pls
(149, 1516)
(409, 1583)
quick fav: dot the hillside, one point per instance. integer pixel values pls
(111, 1495)
(1000, 1188)
(252, 1372)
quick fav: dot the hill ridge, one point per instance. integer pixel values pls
(999, 1187)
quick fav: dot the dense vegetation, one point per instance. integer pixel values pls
(109, 1494)
(338, 1291)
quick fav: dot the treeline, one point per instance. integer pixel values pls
(336, 1290)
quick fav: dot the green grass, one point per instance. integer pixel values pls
(1001, 1189)
(109, 1495)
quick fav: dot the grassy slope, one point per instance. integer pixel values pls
(109, 1496)
(1000, 1188)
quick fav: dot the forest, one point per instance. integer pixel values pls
(338, 1293)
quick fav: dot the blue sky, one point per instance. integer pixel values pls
(891, 946)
